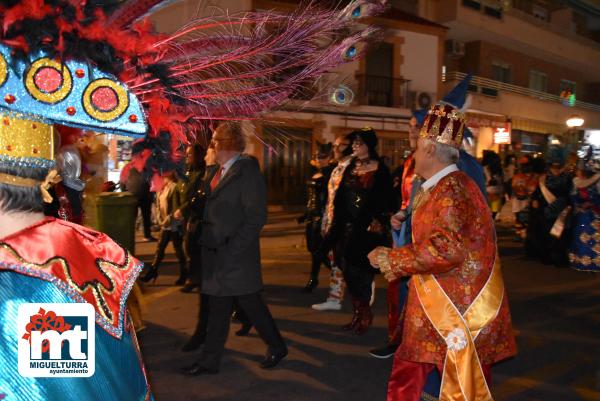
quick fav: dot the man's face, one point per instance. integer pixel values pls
(210, 158)
(422, 155)
(339, 147)
(413, 132)
(222, 143)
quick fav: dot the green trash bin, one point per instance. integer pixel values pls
(115, 216)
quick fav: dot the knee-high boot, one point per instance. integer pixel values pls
(355, 316)
(365, 317)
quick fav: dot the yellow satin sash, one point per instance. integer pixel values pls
(462, 378)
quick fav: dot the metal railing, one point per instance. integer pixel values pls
(375, 90)
(488, 86)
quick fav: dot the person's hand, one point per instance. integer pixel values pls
(375, 227)
(373, 258)
(378, 258)
(188, 227)
(397, 219)
(178, 215)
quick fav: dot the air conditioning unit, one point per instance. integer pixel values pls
(421, 100)
(455, 48)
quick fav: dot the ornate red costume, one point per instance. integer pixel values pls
(457, 316)
(458, 246)
(456, 243)
(102, 276)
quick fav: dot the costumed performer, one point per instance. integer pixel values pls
(342, 153)
(457, 317)
(584, 252)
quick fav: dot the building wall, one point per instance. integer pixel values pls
(480, 55)
(421, 64)
(517, 30)
(179, 13)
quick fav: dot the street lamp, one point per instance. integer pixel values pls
(575, 121)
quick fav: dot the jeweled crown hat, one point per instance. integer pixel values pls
(444, 124)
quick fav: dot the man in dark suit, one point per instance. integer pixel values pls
(234, 215)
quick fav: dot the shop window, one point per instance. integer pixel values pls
(501, 72)
(538, 81)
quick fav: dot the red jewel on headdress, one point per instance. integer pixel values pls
(71, 110)
(10, 99)
(35, 151)
(34, 126)
(133, 118)
(9, 148)
(6, 121)
(105, 99)
(79, 73)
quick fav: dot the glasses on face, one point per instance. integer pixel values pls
(358, 142)
(214, 141)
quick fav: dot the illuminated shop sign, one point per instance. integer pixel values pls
(502, 135)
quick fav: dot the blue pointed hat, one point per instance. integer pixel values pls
(457, 97)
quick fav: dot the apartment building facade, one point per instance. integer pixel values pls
(534, 65)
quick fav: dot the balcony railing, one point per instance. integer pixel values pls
(490, 87)
(375, 90)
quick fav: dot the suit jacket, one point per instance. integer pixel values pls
(234, 215)
(454, 239)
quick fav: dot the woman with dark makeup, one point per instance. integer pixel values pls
(363, 205)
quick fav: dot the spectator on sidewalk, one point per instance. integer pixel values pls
(171, 229)
(133, 182)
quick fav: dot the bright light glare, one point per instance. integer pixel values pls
(592, 137)
(575, 121)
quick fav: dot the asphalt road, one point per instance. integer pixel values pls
(556, 315)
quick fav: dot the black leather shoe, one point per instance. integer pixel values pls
(273, 358)
(310, 286)
(196, 370)
(244, 330)
(181, 280)
(193, 343)
(189, 287)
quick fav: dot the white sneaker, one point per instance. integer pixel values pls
(330, 304)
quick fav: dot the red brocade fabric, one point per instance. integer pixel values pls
(407, 180)
(454, 239)
(85, 264)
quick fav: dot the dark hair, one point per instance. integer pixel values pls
(369, 137)
(14, 198)
(198, 151)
